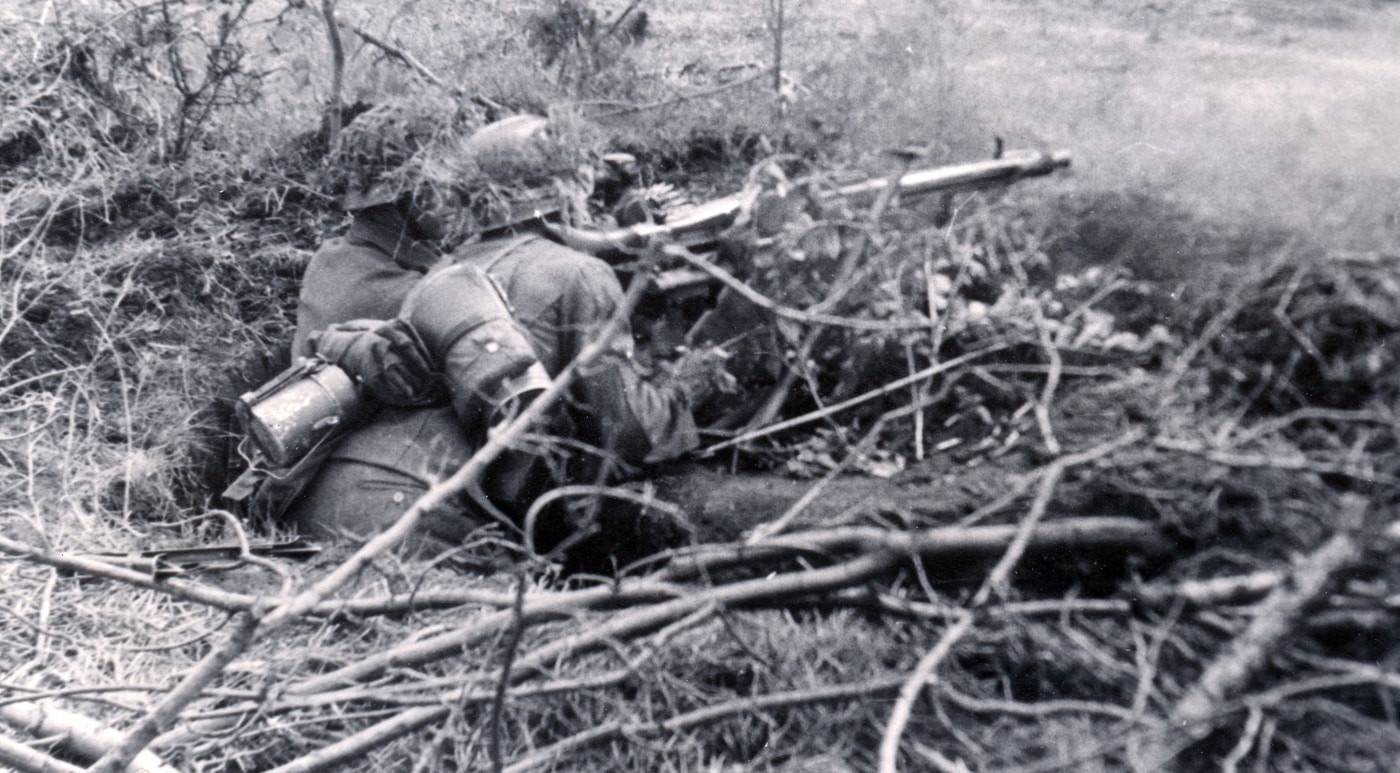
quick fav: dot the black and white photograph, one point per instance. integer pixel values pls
(742, 386)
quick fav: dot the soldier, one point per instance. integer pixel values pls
(502, 184)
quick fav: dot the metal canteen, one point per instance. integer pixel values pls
(289, 415)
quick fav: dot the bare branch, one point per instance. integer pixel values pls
(1276, 618)
(28, 760)
(122, 755)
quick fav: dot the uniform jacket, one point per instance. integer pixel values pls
(560, 297)
(364, 274)
(563, 299)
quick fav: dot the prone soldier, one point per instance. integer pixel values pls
(449, 302)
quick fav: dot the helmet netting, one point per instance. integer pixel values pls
(377, 157)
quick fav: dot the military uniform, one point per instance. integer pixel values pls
(560, 300)
(364, 274)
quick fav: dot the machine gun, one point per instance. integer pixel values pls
(699, 229)
(700, 226)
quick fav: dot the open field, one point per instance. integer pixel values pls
(1272, 111)
(1098, 472)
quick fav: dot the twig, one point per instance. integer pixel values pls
(996, 583)
(1246, 742)
(400, 54)
(1147, 654)
(924, 610)
(1052, 353)
(239, 602)
(331, 757)
(34, 694)
(913, 685)
(41, 640)
(337, 70)
(1212, 592)
(765, 530)
(940, 762)
(508, 652)
(182, 589)
(1261, 461)
(409, 721)
(840, 575)
(553, 752)
(1039, 709)
(1276, 617)
(893, 386)
(168, 709)
(710, 92)
(934, 542)
(1213, 329)
(443, 645)
(806, 317)
(1085, 532)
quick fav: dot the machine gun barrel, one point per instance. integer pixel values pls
(1011, 167)
(706, 221)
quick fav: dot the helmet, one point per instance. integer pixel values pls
(376, 157)
(513, 171)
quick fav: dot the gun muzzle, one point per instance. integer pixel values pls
(288, 416)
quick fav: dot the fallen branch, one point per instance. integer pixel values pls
(997, 584)
(1096, 532)
(1212, 592)
(181, 589)
(82, 737)
(1269, 462)
(630, 622)
(122, 755)
(914, 684)
(441, 706)
(704, 715)
(28, 760)
(397, 52)
(329, 757)
(1275, 619)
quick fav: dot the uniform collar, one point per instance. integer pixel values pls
(392, 238)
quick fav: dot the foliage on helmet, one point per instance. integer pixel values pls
(379, 156)
(516, 169)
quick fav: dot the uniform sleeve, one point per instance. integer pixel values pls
(617, 408)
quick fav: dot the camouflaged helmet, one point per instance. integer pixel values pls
(514, 170)
(377, 157)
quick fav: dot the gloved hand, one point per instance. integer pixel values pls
(387, 359)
